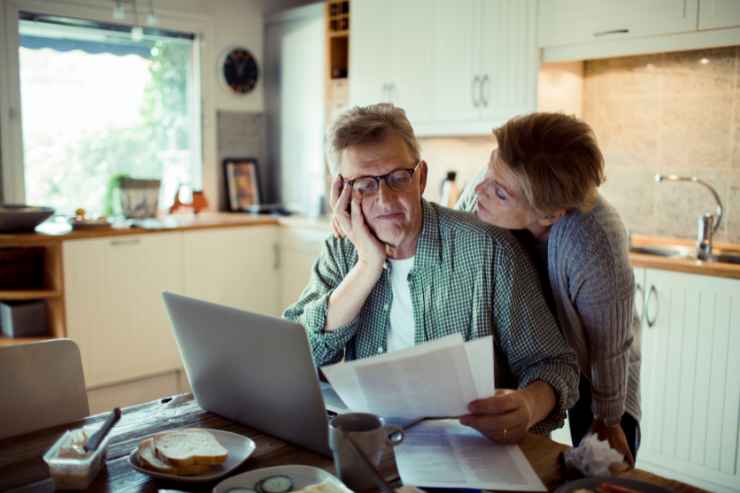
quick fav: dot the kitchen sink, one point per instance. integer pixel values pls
(679, 251)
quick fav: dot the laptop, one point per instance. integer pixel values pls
(253, 369)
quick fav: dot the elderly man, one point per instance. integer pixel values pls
(409, 271)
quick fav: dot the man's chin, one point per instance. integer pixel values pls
(389, 235)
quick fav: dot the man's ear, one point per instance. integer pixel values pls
(422, 176)
(552, 218)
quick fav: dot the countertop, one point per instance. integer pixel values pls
(56, 232)
(60, 231)
(677, 264)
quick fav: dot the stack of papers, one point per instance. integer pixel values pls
(434, 380)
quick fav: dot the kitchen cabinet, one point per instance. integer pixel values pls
(718, 14)
(233, 266)
(690, 378)
(388, 47)
(299, 249)
(458, 67)
(113, 302)
(567, 22)
(113, 292)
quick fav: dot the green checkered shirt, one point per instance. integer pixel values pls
(468, 277)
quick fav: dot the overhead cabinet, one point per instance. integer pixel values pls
(565, 22)
(455, 67)
(719, 14)
(569, 30)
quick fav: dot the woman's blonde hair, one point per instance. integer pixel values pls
(368, 125)
(556, 158)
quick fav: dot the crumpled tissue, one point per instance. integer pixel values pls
(592, 457)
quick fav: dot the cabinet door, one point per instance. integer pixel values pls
(508, 59)
(113, 295)
(412, 84)
(716, 14)
(456, 43)
(370, 48)
(691, 399)
(234, 267)
(564, 22)
(299, 249)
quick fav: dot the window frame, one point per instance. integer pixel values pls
(12, 166)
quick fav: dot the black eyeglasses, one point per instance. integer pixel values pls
(397, 180)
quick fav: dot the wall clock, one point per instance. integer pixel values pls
(239, 70)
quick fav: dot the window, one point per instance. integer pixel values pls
(101, 100)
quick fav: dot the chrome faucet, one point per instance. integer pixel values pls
(708, 223)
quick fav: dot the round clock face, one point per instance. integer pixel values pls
(240, 70)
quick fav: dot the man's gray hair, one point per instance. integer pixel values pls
(368, 125)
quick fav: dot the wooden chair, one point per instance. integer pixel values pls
(41, 385)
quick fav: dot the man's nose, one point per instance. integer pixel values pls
(385, 193)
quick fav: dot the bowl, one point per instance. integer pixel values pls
(22, 218)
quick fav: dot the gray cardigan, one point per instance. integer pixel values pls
(593, 287)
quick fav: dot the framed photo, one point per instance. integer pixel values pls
(242, 183)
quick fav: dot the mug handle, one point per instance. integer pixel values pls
(393, 435)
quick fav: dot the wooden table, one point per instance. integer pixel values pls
(22, 467)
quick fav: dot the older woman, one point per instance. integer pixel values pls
(542, 182)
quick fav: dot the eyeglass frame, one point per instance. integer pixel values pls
(384, 178)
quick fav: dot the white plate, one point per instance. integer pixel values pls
(239, 447)
(302, 476)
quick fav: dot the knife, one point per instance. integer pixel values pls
(96, 438)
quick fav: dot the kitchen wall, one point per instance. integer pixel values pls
(666, 113)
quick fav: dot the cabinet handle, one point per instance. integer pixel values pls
(393, 92)
(133, 241)
(653, 293)
(473, 89)
(276, 253)
(484, 91)
(612, 31)
(640, 295)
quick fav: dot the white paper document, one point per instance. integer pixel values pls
(446, 454)
(435, 379)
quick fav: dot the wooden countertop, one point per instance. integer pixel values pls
(685, 265)
(21, 464)
(55, 232)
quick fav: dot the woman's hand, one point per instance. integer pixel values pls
(614, 434)
(370, 251)
(504, 418)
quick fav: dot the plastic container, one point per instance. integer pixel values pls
(75, 473)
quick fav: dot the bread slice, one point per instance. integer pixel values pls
(148, 459)
(191, 446)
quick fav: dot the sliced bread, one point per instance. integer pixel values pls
(189, 447)
(149, 460)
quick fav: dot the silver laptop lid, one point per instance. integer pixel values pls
(253, 369)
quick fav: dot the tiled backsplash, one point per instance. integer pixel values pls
(668, 113)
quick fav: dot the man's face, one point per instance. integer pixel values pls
(393, 215)
(501, 201)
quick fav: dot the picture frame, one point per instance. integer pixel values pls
(241, 178)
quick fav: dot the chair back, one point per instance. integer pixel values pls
(41, 385)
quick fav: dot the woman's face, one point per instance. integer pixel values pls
(500, 198)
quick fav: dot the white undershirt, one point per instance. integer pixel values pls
(403, 330)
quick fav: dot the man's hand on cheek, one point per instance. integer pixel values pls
(348, 213)
(504, 418)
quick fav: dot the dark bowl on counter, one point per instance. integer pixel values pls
(22, 218)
